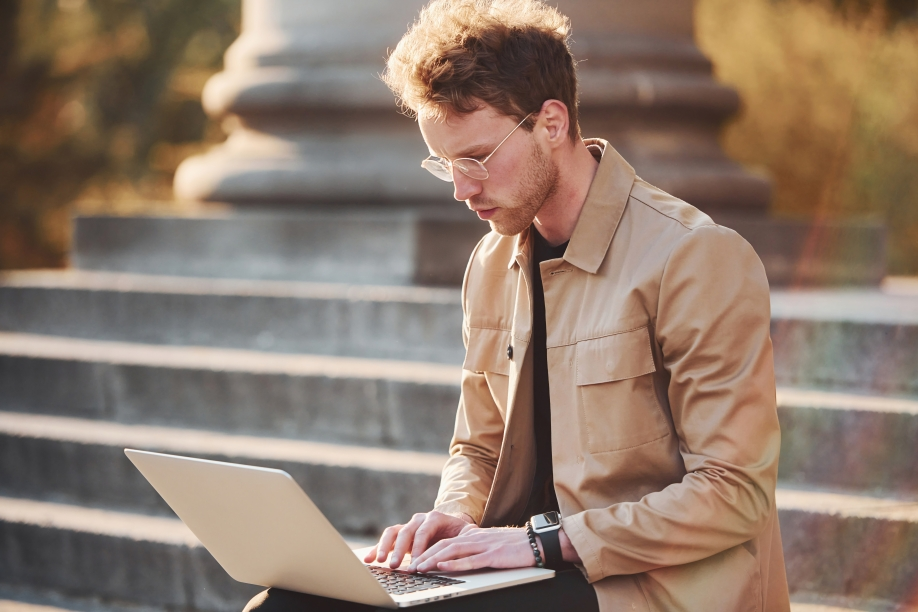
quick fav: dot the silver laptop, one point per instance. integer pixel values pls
(264, 530)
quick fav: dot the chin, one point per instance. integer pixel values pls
(501, 229)
(511, 228)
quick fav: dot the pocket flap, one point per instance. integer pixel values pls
(487, 351)
(615, 357)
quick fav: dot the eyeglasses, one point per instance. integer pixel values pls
(442, 168)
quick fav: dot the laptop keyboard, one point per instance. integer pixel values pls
(400, 582)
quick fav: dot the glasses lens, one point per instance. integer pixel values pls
(472, 168)
(438, 168)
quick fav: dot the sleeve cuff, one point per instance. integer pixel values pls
(582, 541)
(456, 508)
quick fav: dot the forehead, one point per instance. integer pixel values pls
(461, 135)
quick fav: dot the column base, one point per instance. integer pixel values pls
(806, 253)
(421, 245)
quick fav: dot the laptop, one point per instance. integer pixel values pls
(263, 529)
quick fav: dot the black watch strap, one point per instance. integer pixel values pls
(551, 544)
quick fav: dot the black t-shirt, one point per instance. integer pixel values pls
(542, 497)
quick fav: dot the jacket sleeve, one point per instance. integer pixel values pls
(712, 325)
(474, 450)
(475, 447)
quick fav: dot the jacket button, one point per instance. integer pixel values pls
(510, 351)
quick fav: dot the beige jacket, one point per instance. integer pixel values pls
(665, 433)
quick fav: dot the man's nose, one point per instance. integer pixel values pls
(463, 186)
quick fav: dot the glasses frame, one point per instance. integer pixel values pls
(442, 168)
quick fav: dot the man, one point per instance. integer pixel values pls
(618, 367)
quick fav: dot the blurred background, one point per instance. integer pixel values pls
(99, 102)
(216, 241)
(101, 99)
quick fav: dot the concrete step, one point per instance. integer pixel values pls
(55, 603)
(18, 598)
(803, 602)
(81, 461)
(860, 340)
(411, 323)
(386, 403)
(113, 557)
(849, 441)
(807, 607)
(836, 545)
(10, 605)
(830, 439)
(850, 546)
(341, 244)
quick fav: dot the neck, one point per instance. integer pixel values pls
(557, 218)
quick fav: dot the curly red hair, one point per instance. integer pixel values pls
(510, 54)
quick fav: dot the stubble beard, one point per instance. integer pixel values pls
(538, 185)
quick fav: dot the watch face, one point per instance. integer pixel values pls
(544, 521)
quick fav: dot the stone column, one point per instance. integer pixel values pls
(311, 125)
(647, 88)
(310, 121)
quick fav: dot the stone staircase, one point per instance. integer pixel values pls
(352, 388)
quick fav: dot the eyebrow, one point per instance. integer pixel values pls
(473, 151)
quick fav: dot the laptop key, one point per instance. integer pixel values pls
(400, 582)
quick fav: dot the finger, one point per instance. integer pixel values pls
(465, 564)
(386, 541)
(427, 554)
(429, 529)
(468, 528)
(404, 540)
(370, 556)
(472, 535)
(478, 535)
(455, 550)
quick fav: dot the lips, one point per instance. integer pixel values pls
(486, 213)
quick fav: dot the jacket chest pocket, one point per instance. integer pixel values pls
(618, 403)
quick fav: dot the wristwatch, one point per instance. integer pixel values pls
(546, 526)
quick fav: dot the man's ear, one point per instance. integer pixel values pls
(553, 118)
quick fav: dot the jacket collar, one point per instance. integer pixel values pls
(600, 215)
(520, 248)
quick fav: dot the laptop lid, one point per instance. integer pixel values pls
(260, 527)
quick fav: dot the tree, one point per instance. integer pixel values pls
(88, 90)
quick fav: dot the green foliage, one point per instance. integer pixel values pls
(830, 107)
(89, 91)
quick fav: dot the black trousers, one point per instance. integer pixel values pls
(568, 591)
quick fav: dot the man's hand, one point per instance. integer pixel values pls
(416, 535)
(474, 548)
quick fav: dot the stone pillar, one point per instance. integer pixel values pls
(310, 121)
(311, 125)
(647, 88)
